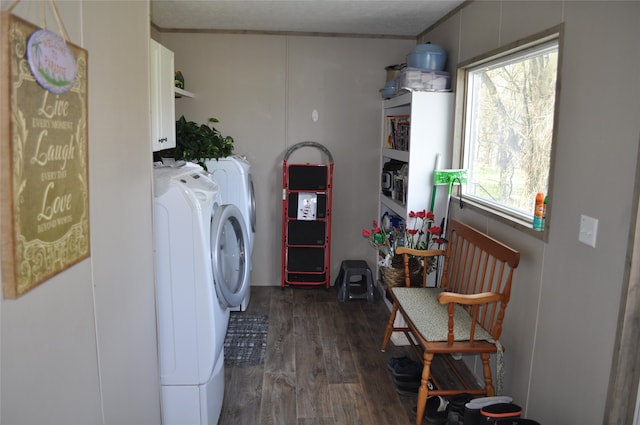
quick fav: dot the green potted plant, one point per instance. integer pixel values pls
(197, 143)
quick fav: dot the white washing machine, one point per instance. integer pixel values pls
(202, 270)
(233, 175)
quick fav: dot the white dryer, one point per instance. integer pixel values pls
(233, 175)
(202, 270)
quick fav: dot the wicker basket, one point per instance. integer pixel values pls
(394, 275)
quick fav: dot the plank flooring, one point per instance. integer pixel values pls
(323, 364)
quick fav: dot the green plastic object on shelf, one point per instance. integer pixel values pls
(448, 178)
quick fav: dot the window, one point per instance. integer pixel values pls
(508, 127)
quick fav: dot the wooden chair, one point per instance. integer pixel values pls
(464, 315)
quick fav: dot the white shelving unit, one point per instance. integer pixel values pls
(430, 116)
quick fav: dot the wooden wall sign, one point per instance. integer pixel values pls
(44, 215)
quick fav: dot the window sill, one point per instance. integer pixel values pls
(520, 225)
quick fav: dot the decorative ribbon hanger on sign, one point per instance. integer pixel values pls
(51, 61)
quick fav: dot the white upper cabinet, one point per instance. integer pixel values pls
(163, 121)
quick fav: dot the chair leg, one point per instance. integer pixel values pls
(488, 383)
(389, 331)
(423, 392)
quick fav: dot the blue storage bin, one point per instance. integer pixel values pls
(427, 56)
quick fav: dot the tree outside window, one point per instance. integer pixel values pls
(508, 131)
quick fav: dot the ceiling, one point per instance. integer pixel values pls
(386, 18)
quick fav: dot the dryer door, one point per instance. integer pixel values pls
(229, 243)
(252, 205)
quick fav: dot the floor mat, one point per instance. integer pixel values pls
(246, 340)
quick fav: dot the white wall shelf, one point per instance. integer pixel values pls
(182, 93)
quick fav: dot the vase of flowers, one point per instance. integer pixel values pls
(420, 233)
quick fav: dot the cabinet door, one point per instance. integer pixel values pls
(163, 124)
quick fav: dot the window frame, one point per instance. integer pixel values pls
(463, 69)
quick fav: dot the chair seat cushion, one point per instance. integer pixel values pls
(431, 318)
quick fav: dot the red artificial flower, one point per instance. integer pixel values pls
(387, 240)
(435, 230)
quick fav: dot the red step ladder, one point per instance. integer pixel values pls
(306, 219)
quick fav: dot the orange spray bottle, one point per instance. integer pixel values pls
(538, 212)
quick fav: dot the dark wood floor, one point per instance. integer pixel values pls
(323, 364)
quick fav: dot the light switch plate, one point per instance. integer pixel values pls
(588, 230)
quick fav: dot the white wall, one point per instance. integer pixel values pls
(561, 323)
(121, 209)
(263, 89)
(81, 347)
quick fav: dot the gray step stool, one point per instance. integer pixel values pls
(363, 287)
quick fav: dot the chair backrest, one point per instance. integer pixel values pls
(426, 254)
(476, 263)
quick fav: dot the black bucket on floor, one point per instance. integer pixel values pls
(494, 412)
(472, 416)
(455, 408)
